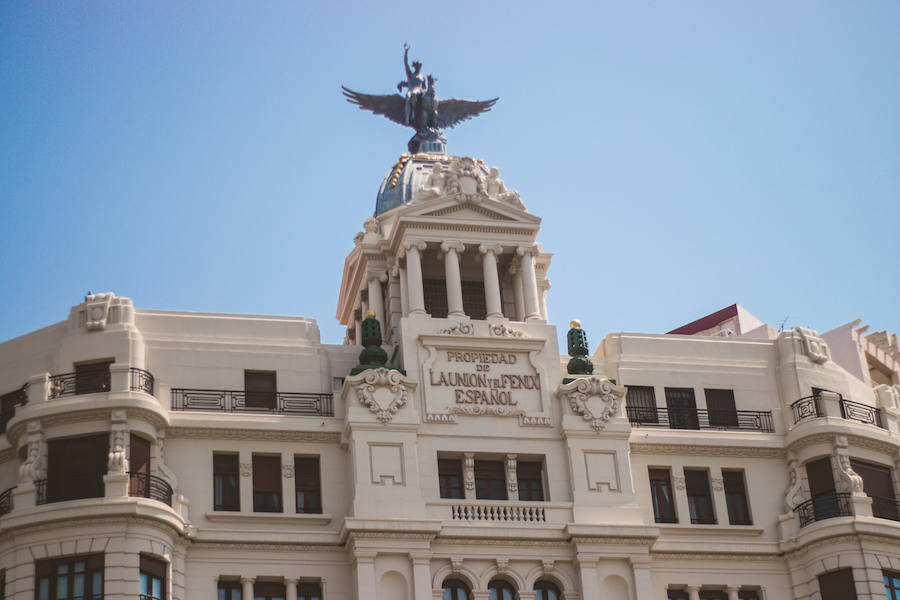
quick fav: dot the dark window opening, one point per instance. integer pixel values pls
(152, 578)
(682, 408)
(260, 389)
(546, 590)
(474, 302)
(435, 294)
(878, 485)
(821, 489)
(736, 498)
(530, 480)
(837, 585)
(309, 591)
(720, 408)
(268, 591)
(891, 584)
(640, 404)
(75, 467)
(139, 467)
(266, 483)
(307, 484)
(8, 403)
(92, 377)
(229, 590)
(676, 594)
(501, 590)
(450, 478)
(661, 495)
(490, 480)
(699, 497)
(752, 595)
(454, 589)
(226, 482)
(713, 595)
(70, 578)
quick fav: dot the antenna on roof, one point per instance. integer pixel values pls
(783, 323)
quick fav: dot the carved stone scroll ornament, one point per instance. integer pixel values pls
(595, 399)
(35, 466)
(469, 470)
(382, 391)
(849, 480)
(794, 495)
(461, 328)
(477, 410)
(501, 330)
(814, 347)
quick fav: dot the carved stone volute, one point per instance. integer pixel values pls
(595, 398)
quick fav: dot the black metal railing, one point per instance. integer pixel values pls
(697, 418)
(826, 506)
(140, 381)
(6, 501)
(283, 403)
(886, 508)
(92, 381)
(40, 491)
(854, 411)
(144, 485)
(806, 408)
(8, 404)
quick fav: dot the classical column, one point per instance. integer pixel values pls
(247, 584)
(732, 593)
(290, 588)
(451, 252)
(545, 286)
(489, 253)
(529, 282)
(414, 277)
(518, 296)
(376, 299)
(404, 293)
(693, 592)
(421, 565)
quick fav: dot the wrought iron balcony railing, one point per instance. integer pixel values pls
(6, 501)
(40, 491)
(498, 513)
(144, 485)
(283, 403)
(886, 508)
(97, 380)
(696, 418)
(806, 408)
(854, 411)
(8, 404)
(826, 506)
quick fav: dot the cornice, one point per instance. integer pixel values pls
(253, 434)
(268, 546)
(729, 556)
(886, 446)
(499, 542)
(697, 450)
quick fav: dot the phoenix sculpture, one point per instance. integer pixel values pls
(420, 108)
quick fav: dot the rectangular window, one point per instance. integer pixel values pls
(70, 578)
(92, 377)
(268, 591)
(309, 590)
(139, 467)
(435, 294)
(530, 479)
(640, 404)
(226, 482)
(821, 489)
(152, 578)
(837, 585)
(474, 302)
(75, 467)
(676, 594)
(661, 495)
(891, 584)
(748, 595)
(721, 409)
(8, 404)
(307, 484)
(260, 389)
(696, 483)
(736, 498)
(266, 483)
(878, 485)
(229, 590)
(490, 480)
(713, 595)
(450, 478)
(682, 408)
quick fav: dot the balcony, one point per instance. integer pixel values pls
(695, 418)
(280, 403)
(854, 411)
(882, 508)
(498, 513)
(816, 406)
(144, 485)
(824, 507)
(6, 501)
(95, 380)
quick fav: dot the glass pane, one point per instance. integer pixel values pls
(62, 587)
(79, 567)
(78, 584)
(157, 587)
(98, 584)
(44, 588)
(62, 569)
(145, 583)
(493, 595)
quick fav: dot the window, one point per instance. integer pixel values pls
(309, 591)
(661, 495)
(450, 478)
(260, 389)
(268, 591)
(454, 589)
(748, 595)
(640, 404)
(226, 483)
(8, 403)
(70, 578)
(736, 498)
(501, 590)
(682, 408)
(530, 479)
(546, 590)
(92, 377)
(474, 303)
(720, 408)
(713, 595)
(837, 585)
(821, 489)
(229, 590)
(139, 467)
(266, 483)
(307, 484)
(699, 499)
(435, 295)
(891, 585)
(490, 480)
(153, 578)
(676, 594)
(878, 485)
(75, 467)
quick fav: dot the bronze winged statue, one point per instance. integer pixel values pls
(420, 108)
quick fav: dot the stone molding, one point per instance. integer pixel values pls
(814, 347)
(390, 382)
(501, 330)
(253, 434)
(695, 450)
(579, 393)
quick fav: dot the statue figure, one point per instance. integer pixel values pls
(434, 185)
(420, 108)
(497, 190)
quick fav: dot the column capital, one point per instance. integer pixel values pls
(364, 556)
(731, 589)
(531, 249)
(419, 245)
(544, 284)
(290, 580)
(692, 588)
(452, 245)
(248, 579)
(494, 248)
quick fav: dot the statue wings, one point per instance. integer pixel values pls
(391, 106)
(453, 112)
(449, 113)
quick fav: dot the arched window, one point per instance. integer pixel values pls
(501, 590)
(546, 590)
(454, 589)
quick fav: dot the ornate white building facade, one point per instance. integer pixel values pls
(187, 456)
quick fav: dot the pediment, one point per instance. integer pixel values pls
(485, 210)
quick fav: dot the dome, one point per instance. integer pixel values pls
(407, 176)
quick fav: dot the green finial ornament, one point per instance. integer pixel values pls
(373, 355)
(580, 364)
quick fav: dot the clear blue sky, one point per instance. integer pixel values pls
(683, 156)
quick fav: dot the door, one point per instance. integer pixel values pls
(139, 465)
(682, 408)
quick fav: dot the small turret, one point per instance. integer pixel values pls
(373, 355)
(576, 338)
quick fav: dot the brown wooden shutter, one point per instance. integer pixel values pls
(820, 476)
(267, 474)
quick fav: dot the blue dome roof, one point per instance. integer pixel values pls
(407, 176)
